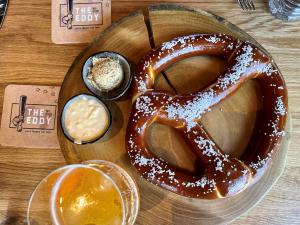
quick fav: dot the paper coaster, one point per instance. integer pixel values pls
(78, 21)
(29, 116)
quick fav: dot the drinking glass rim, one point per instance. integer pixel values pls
(86, 164)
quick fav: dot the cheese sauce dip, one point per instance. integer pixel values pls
(85, 119)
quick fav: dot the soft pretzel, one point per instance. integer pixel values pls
(223, 175)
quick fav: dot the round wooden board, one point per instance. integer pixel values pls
(230, 123)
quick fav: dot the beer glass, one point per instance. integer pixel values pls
(93, 192)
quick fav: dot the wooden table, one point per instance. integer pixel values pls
(27, 56)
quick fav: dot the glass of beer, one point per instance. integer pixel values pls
(94, 192)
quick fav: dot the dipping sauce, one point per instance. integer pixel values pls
(85, 118)
(106, 74)
(85, 196)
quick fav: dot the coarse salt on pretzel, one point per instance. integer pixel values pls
(223, 175)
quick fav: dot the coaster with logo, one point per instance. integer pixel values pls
(78, 21)
(29, 116)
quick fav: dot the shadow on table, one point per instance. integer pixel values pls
(14, 220)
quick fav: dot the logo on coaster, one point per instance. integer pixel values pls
(32, 116)
(29, 116)
(81, 14)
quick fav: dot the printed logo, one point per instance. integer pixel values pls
(81, 14)
(32, 116)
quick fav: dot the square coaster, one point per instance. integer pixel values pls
(29, 116)
(78, 21)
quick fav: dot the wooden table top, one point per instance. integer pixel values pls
(27, 56)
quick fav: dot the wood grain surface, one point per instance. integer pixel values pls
(27, 56)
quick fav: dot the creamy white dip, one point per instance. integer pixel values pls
(86, 119)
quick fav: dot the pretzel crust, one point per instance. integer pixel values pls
(223, 175)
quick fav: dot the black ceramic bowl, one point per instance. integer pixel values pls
(119, 91)
(62, 119)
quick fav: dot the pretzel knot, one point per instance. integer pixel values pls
(223, 175)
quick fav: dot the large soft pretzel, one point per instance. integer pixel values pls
(223, 175)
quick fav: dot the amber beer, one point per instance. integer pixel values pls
(95, 192)
(83, 195)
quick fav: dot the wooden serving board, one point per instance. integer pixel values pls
(230, 123)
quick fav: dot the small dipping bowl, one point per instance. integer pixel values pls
(119, 91)
(83, 114)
